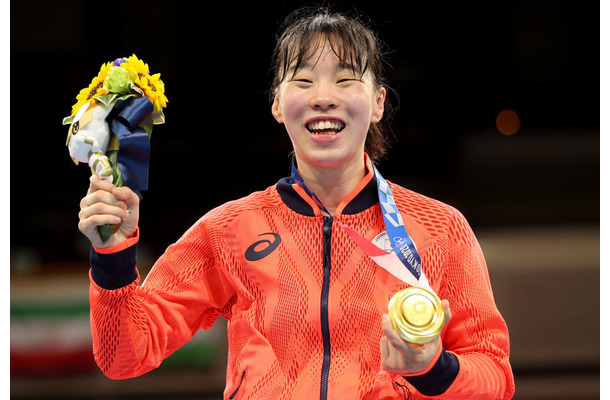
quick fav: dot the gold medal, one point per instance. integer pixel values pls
(417, 314)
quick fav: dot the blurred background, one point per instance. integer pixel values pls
(498, 113)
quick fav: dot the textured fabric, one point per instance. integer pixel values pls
(260, 265)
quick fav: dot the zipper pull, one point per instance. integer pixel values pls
(328, 223)
(243, 375)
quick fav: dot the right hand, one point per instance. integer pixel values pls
(108, 204)
(402, 357)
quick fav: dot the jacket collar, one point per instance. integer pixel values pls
(361, 198)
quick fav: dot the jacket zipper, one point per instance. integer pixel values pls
(243, 375)
(327, 230)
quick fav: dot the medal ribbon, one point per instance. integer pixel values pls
(405, 262)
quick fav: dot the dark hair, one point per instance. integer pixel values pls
(350, 39)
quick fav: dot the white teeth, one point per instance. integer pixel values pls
(325, 125)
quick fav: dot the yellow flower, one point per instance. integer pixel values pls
(153, 87)
(96, 88)
(136, 66)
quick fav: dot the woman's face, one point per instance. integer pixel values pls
(327, 108)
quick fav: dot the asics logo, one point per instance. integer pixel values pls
(263, 247)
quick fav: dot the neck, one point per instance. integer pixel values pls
(332, 184)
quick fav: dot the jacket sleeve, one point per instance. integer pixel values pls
(135, 327)
(477, 335)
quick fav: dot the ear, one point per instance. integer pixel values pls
(379, 105)
(276, 111)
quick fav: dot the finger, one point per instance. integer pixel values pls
(390, 333)
(89, 228)
(100, 208)
(386, 325)
(90, 231)
(91, 223)
(388, 344)
(97, 183)
(101, 196)
(127, 195)
(447, 310)
(384, 348)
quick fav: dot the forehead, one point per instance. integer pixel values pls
(323, 54)
(309, 54)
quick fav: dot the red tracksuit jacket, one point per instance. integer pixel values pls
(303, 302)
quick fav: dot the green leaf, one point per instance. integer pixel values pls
(147, 124)
(136, 89)
(107, 99)
(113, 143)
(158, 117)
(117, 177)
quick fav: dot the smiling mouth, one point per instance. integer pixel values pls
(325, 127)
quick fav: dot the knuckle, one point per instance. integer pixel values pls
(82, 226)
(83, 202)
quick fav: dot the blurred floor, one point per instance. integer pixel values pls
(180, 384)
(186, 385)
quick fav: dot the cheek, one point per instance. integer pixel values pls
(290, 105)
(362, 108)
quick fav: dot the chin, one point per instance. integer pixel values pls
(331, 158)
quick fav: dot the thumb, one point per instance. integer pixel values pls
(447, 310)
(126, 194)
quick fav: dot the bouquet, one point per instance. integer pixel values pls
(111, 124)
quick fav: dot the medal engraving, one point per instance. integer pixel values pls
(417, 314)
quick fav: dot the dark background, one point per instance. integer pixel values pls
(455, 66)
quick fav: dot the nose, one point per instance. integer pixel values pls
(324, 97)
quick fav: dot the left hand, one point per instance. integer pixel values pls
(400, 356)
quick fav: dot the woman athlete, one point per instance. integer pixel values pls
(306, 306)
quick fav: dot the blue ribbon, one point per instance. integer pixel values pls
(402, 244)
(134, 142)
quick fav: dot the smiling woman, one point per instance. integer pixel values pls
(357, 48)
(297, 269)
(323, 92)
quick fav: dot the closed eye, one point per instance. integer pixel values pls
(302, 82)
(347, 80)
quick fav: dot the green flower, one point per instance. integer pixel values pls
(119, 80)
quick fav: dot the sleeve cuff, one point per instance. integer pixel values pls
(437, 379)
(121, 246)
(115, 267)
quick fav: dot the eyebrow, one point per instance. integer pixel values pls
(292, 70)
